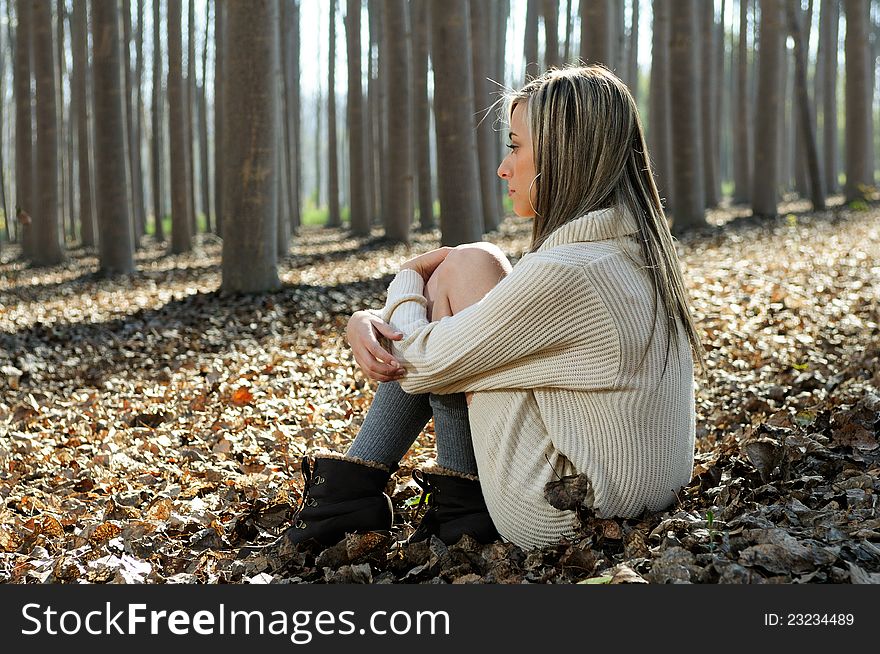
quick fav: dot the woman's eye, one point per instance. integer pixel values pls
(511, 146)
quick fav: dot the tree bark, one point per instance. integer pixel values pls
(829, 34)
(597, 32)
(530, 47)
(133, 146)
(296, 118)
(190, 99)
(858, 118)
(550, 12)
(741, 122)
(116, 241)
(399, 121)
(659, 116)
(360, 215)
(334, 217)
(219, 84)
(633, 52)
(688, 187)
(138, 119)
(48, 250)
(250, 254)
(80, 52)
(457, 168)
(181, 221)
(566, 54)
(157, 107)
(290, 120)
(422, 114)
(25, 200)
(805, 107)
(486, 157)
(767, 110)
(203, 125)
(707, 99)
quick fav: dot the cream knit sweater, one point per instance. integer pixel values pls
(553, 353)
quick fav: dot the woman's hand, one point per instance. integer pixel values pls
(362, 333)
(425, 264)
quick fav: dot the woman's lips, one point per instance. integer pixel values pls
(510, 192)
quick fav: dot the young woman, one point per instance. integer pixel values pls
(577, 361)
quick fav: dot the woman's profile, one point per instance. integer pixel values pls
(577, 361)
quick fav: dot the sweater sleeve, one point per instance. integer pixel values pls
(520, 335)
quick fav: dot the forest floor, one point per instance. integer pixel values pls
(151, 429)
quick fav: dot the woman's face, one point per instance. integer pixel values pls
(518, 167)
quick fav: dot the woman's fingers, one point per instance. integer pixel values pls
(387, 330)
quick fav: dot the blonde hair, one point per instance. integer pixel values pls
(590, 153)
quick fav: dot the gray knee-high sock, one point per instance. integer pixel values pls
(455, 448)
(394, 421)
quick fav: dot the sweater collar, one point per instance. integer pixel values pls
(613, 222)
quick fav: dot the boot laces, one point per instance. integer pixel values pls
(429, 490)
(307, 499)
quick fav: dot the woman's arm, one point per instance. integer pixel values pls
(512, 338)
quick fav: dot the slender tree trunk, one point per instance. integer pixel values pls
(633, 51)
(137, 196)
(220, 56)
(157, 106)
(334, 217)
(720, 101)
(597, 32)
(24, 146)
(533, 64)
(566, 54)
(250, 253)
(829, 34)
(783, 130)
(741, 121)
(688, 197)
(190, 100)
(290, 119)
(360, 215)
(707, 98)
(422, 114)
(296, 118)
(769, 105)
(399, 125)
(65, 207)
(805, 107)
(116, 241)
(3, 205)
(138, 121)
(48, 246)
(858, 118)
(487, 161)
(550, 12)
(181, 222)
(457, 167)
(374, 131)
(203, 125)
(659, 132)
(79, 97)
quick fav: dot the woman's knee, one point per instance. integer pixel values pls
(467, 274)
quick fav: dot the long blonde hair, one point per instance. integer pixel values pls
(590, 153)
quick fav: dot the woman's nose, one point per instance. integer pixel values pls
(502, 169)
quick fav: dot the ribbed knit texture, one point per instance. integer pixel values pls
(554, 353)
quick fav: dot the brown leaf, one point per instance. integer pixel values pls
(569, 493)
(241, 397)
(104, 532)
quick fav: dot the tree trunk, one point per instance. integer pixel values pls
(296, 117)
(360, 215)
(486, 157)
(138, 120)
(203, 125)
(550, 12)
(220, 56)
(805, 107)
(741, 121)
(290, 120)
(858, 118)
(157, 106)
(250, 254)
(597, 32)
(566, 54)
(374, 113)
(457, 167)
(25, 202)
(190, 98)
(47, 247)
(79, 97)
(116, 241)
(4, 207)
(399, 122)
(533, 64)
(422, 114)
(137, 196)
(767, 109)
(659, 115)
(334, 217)
(829, 34)
(181, 221)
(65, 208)
(688, 197)
(633, 52)
(707, 100)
